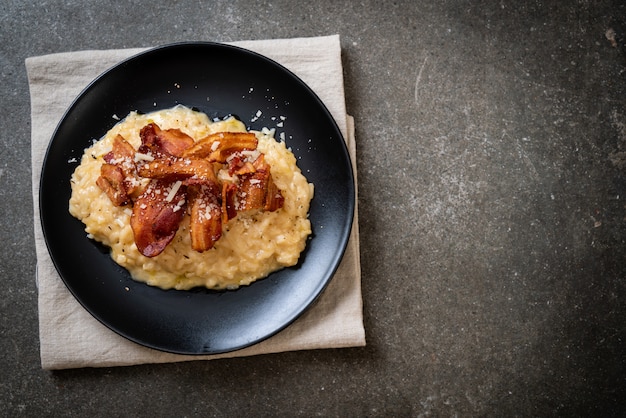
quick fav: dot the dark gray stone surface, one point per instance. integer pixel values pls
(491, 155)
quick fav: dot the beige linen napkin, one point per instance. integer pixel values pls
(69, 336)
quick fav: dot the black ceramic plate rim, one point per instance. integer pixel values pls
(308, 301)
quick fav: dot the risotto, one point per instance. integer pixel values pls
(251, 244)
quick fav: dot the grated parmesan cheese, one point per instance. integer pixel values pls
(140, 156)
(173, 191)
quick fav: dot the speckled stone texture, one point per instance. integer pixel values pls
(492, 197)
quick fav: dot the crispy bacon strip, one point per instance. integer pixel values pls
(229, 195)
(205, 218)
(118, 175)
(257, 190)
(156, 217)
(111, 181)
(124, 156)
(252, 189)
(219, 146)
(237, 165)
(172, 168)
(121, 151)
(274, 199)
(164, 141)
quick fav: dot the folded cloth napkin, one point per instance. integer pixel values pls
(69, 336)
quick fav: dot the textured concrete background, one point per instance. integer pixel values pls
(491, 156)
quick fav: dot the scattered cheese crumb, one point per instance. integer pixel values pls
(139, 156)
(173, 191)
(270, 132)
(179, 205)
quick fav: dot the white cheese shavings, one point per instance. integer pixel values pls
(223, 176)
(173, 191)
(140, 156)
(179, 205)
(267, 131)
(250, 155)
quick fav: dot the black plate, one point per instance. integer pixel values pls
(219, 80)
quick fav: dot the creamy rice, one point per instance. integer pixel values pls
(252, 244)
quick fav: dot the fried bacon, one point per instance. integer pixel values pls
(257, 189)
(164, 141)
(118, 176)
(206, 217)
(251, 193)
(274, 199)
(111, 181)
(219, 146)
(238, 166)
(173, 168)
(157, 213)
(182, 175)
(121, 151)
(229, 195)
